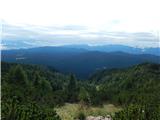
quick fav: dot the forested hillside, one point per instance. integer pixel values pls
(137, 87)
(31, 92)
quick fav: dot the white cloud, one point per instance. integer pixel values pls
(132, 15)
(2, 47)
(39, 19)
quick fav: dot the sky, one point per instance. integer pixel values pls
(94, 22)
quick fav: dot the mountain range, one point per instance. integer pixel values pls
(83, 60)
(115, 48)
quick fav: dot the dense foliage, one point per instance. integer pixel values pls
(138, 85)
(139, 112)
(13, 110)
(31, 92)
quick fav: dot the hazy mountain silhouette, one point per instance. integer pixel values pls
(78, 60)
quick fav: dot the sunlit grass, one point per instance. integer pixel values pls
(70, 111)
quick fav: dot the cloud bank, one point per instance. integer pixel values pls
(18, 36)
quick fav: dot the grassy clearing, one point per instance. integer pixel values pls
(70, 111)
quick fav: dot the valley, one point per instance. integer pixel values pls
(81, 61)
(129, 93)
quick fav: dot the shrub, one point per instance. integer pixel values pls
(81, 116)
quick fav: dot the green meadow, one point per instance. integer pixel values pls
(70, 111)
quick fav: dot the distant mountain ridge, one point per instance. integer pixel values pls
(103, 48)
(115, 48)
(80, 61)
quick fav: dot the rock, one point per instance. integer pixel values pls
(108, 117)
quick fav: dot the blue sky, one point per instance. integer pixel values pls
(94, 22)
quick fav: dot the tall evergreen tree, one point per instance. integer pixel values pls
(72, 89)
(36, 79)
(18, 76)
(83, 96)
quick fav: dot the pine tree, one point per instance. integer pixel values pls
(72, 89)
(36, 79)
(18, 76)
(83, 96)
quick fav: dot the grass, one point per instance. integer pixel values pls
(70, 111)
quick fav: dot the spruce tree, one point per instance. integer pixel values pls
(18, 76)
(72, 89)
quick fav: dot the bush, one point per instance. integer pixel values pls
(81, 116)
(14, 110)
(139, 112)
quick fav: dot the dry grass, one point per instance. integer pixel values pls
(70, 111)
